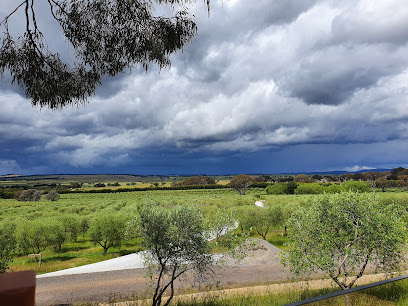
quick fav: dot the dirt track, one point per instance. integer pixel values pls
(260, 267)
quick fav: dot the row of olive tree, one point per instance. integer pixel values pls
(35, 236)
(339, 234)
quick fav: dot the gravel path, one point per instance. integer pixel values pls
(260, 266)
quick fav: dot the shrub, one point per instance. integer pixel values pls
(303, 178)
(334, 188)
(278, 188)
(292, 187)
(29, 195)
(310, 189)
(357, 186)
(52, 195)
(196, 180)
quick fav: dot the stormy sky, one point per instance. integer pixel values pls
(266, 86)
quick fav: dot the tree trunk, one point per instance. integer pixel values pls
(347, 300)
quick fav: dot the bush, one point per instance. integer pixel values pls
(357, 186)
(278, 188)
(29, 195)
(196, 180)
(310, 189)
(52, 195)
(334, 188)
(292, 187)
(303, 178)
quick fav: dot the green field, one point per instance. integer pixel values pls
(126, 204)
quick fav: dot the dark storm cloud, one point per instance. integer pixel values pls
(332, 75)
(312, 84)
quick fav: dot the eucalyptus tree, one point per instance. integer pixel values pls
(107, 38)
(340, 234)
(241, 182)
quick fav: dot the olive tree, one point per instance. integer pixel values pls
(35, 236)
(340, 234)
(107, 230)
(261, 219)
(107, 37)
(72, 225)
(176, 244)
(220, 224)
(7, 244)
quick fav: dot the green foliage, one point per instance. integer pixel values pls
(311, 188)
(71, 225)
(282, 188)
(85, 206)
(279, 188)
(262, 219)
(7, 193)
(7, 244)
(84, 225)
(57, 234)
(220, 226)
(34, 236)
(340, 233)
(107, 37)
(176, 242)
(357, 186)
(107, 230)
(292, 187)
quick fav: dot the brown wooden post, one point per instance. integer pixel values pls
(17, 288)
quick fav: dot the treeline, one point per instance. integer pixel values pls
(177, 187)
(317, 188)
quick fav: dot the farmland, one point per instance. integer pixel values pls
(128, 204)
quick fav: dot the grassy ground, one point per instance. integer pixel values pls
(73, 255)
